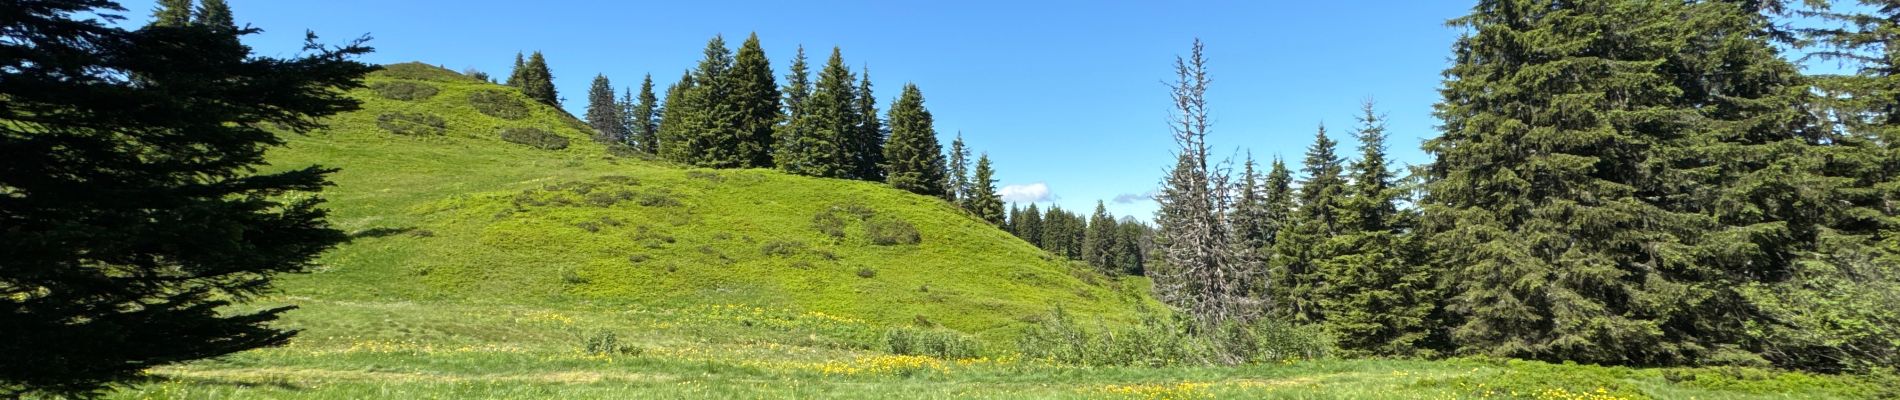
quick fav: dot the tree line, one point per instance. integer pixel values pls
(731, 112)
(1684, 196)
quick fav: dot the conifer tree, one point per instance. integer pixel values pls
(1030, 228)
(797, 146)
(1130, 256)
(985, 204)
(959, 174)
(514, 75)
(1542, 202)
(1055, 231)
(866, 143)
(914, 159)
(136, 213)
(1098, 245)
(703, 134)
(818, 145)
(215, 14)
(1302, 242)
(644, 120)
(603, 114)
(1011, 218)
(673, 117)
(755, 103)
(172, 13)
(1197, 272)
(1377, 297)
(537, 80)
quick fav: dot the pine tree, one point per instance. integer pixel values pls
(537, 80)
(172, 13)
(914, 159)
(1541, 207)
(603, 114)
(755, 103)
(866, 143)
(1302, 242)
(959, 174)
(797, 146)
(1377, 298)
(137, 212)
(984, 202)
(215, 14)
(644, 119)
(1098, 245)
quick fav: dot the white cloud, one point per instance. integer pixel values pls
(1029, 193)
(1131, 198)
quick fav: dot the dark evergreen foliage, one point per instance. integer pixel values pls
(983, 200)
(133, 211)
(915, 160)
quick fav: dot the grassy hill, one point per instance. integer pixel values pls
(458, 213)
(491, 261)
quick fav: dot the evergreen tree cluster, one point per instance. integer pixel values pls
(1112, 246)
(1685, 196)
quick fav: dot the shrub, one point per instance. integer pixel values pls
(866, 272)
(404, 90)
(783, 248)
(604, 342)
(572, 277)
(829, 224)
(405, 123)
(498, 104)
(939, 343)
(890, 231)
(1166, 341)
(534, 137)
(421, 72)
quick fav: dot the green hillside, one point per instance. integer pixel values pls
(483, 268)
(457, 213)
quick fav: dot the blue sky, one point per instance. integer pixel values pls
(1067, 94)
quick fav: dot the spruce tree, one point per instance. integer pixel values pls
(703, 134)
(818, 138)
(1378, 299)
(1279, 199)
(644, 119)
(537, 80)
(215, 14)
(865, 144)
(172, 13)
(1030, 228)
(603, 114)
(514, 75)
(914, 159)
(1055, 231)
(797, 148)
(1098, 244)
(984, 202)
(1303, 239)
(673, 118)
(1197, 272)
(1129, 254)
(959, 174)
(137, 212)
(1542, 207)
(754, 97)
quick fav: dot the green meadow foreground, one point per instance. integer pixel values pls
(499, 252)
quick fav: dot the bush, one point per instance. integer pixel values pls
(603, 343)
(498, 104)
(1160, 341)
(783, 248)
(404, 90)
(534, 137)
(867, 273)
(890, 231)
(939, 343)
(828, 224)
(404, 123)
(421, 72)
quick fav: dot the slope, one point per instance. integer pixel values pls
(442, 208)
